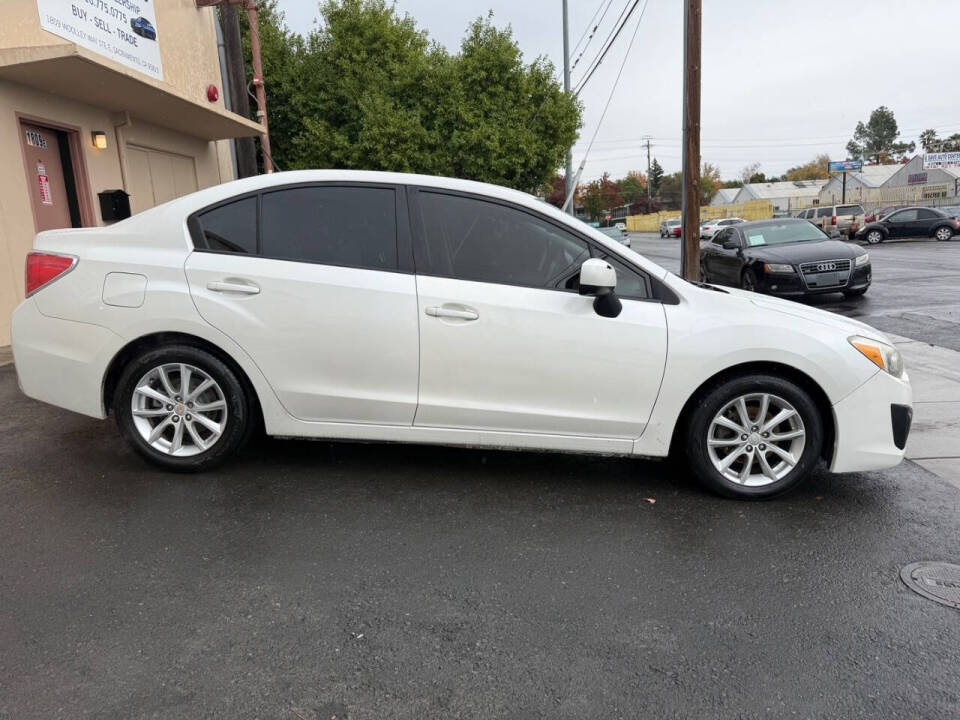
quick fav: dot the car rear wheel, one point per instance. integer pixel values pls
(874, 237)
(748, 281)
(181, 408)
(943, 233)
(754, 437)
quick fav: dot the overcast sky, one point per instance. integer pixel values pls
(782, 81)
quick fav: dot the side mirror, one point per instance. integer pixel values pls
(731, 245)
(598, 278)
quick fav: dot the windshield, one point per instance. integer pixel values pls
(673, 222)
(782, 233)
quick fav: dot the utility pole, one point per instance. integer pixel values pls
(648, 139)
(236, 80)
(568, 178)
(690, 213)
(251, 7)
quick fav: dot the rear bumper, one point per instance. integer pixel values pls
(872, 424)
(62, 362)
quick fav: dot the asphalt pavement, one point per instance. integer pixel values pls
(320, 580)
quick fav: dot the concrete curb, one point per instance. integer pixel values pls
(6, 355)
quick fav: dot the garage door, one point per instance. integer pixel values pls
(156, 176)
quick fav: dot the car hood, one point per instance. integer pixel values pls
(798, 310)
(803, 252)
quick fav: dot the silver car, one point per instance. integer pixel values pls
(836, 219)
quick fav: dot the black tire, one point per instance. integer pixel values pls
(854, 293)
(874, 237)
(700, 417)
(748, 280)
(943, 233)
(239, 409)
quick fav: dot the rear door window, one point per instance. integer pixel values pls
(230, 228)
(343, 226)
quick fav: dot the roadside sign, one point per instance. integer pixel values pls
(932, 161)
(846, 166)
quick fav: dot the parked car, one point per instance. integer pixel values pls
(787, 257)
(911, 222)
(880, 213)
(670, 228)
(388, 307)
(951, 210)
(618, 234)
(620, 226)
(144, 28)
(709, 228)
(836, 219)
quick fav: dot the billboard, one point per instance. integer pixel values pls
(932, 161)
(123, 30)
(846, 166)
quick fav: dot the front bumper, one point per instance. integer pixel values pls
(62, 362)
(872, 424)
(794, 285)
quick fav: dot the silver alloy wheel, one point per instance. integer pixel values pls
(944, 234)
(874, 237)
(756, 439)
(179, 410)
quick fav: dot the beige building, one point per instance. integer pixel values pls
(97, 96)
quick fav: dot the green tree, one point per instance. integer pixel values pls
(709, 182)
(876, 141)
(655, 178)
(368, 89)
(600, 196)
(632, 186)
(932, 143)
(671, 190)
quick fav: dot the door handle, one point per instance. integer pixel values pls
(227, 286)
(437, 311)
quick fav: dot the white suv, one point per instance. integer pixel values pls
(389, 307)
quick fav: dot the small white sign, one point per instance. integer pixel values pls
(123, 30)
(46, 196)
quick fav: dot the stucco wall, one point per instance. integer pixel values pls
(17, 228)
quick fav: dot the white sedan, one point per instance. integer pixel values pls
(388, 307)
(709, 228)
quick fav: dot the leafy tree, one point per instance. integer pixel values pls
(876, 141)
(656, 177)
(931, 143)
(750, 172)
(600, 196)
(671, 190)
(816, 169)
(709, 182)
(367, 89)
(633, 186)
(555, 190)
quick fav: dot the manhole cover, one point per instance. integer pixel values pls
(937, 581)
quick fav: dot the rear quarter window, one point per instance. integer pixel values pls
(231, 227)
(850, 210)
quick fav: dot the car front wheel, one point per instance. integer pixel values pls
(754, 437)
(874, 237)
(748, 281)
(181, 408)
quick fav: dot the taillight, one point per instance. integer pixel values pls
(43, 268)
(833, 220)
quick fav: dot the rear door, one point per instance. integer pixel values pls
(318, 293)
(506, 342)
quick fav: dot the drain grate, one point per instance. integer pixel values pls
(937, 581)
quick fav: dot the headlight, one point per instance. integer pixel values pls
(776, 268)
(886, 357)
(862, 259)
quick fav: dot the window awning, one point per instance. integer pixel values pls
(76, 73)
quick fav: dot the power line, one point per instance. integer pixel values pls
(611, 39)
(592, 34)
(587, 28)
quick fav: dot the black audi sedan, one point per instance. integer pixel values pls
(787, 256)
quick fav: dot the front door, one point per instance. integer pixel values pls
(902, 224)
(315, 298)
(506, 342)
(50, 184)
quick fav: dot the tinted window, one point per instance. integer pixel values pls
(928, 215)
(721, 237)
(850, 210)
(630, 283)
(347, 226)
(904, 216)
(231, 227)
(472, 239)
(825, 212)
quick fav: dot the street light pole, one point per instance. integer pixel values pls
(690, 213)
(568, 178)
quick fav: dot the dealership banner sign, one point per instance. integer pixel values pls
(123, 30)
(845, 166)
(941, 160)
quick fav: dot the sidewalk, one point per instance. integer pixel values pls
(934, 441)
(6, 355)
